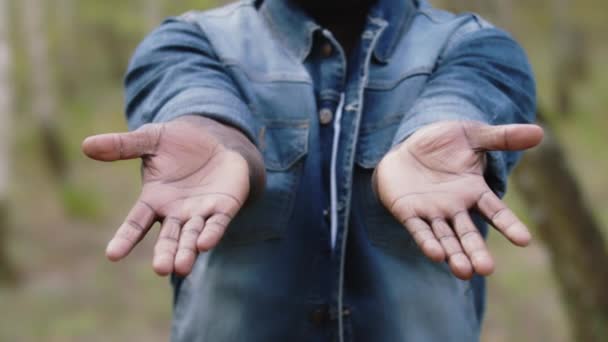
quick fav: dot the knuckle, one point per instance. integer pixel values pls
(193, 232)
(471, 234)
(128, 236)
(456, 254)
(187, 250)
(484, 195)
(499, 213)
(422, 234)
(165, 251)
(215, 229)
(134, 225)
(428, 243)
(168, 238)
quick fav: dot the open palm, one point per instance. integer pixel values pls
(190, 181)
(432, 180)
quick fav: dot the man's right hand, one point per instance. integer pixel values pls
(191, 181)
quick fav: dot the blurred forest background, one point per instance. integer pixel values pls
(61, 69)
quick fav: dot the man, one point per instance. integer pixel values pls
(323, 169)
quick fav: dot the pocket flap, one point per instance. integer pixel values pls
(374, 142)
(283, 143)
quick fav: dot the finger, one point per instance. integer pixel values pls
(122, 146)
(166, 247)
(458, 261)
(214, 229)
(424, 237)
(503, 137)
(473, 243)
(503, 219)
(187, 252)
(132, 230)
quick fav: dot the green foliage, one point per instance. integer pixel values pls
(81, 202)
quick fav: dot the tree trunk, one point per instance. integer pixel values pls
(42, 97)
(6, 271)
(571, 57)
(66, 52)
(565, 223)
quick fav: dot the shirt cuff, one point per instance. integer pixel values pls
(211, 103)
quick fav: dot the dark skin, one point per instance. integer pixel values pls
(198, 173)
(345, 19)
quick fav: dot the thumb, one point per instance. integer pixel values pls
(504, 137)
(122, 146)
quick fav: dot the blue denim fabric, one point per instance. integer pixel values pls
(264, 67)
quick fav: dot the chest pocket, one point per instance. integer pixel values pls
(383, 229)
(284, 144)
(389, 95)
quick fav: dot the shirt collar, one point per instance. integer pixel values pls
(296, 29)
(293, 27)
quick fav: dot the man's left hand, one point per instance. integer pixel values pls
(434, 178)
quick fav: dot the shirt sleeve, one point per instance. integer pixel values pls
(175, 72)
(482, 75)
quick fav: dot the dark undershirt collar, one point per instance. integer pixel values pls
(295, 28)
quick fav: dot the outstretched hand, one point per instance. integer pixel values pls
(434, 178)
(191, 182)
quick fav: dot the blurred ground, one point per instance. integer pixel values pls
(69, 292)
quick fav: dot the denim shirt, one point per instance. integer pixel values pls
(267, 69)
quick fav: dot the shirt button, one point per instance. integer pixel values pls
(319, 316)
(327, 50)
(325, 116)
